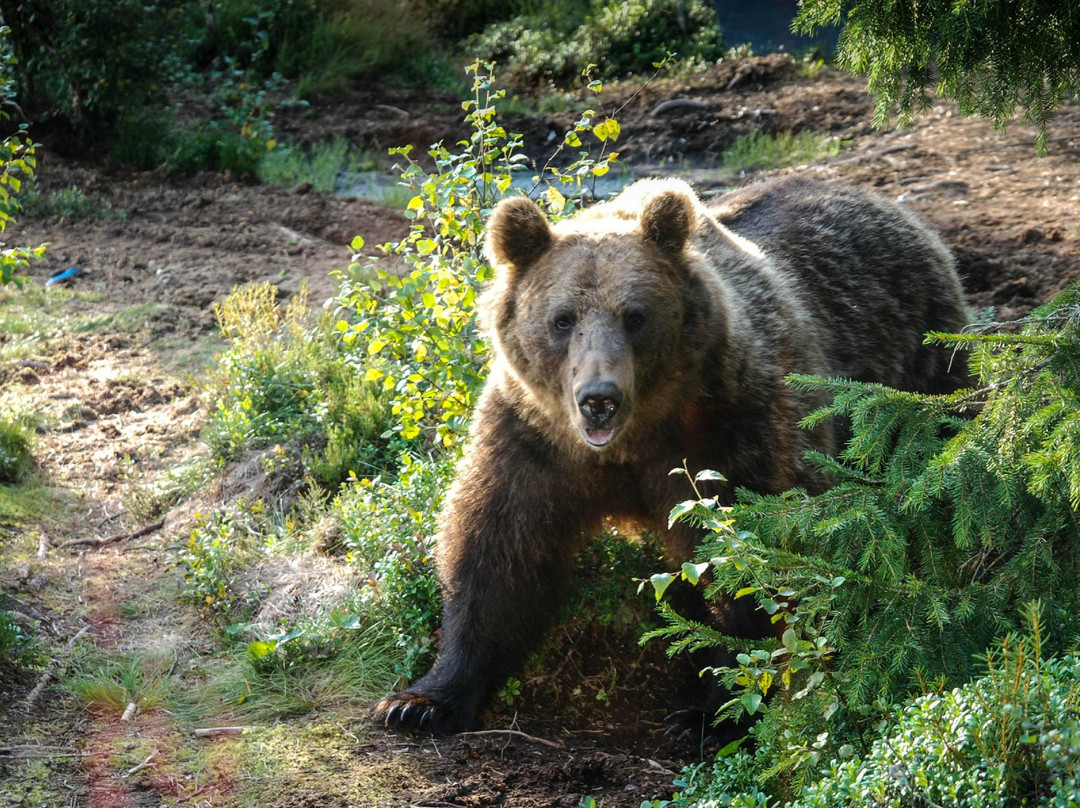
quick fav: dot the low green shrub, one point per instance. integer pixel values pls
(67, 203)
(18, 645)
(388, 529)
(16, 450)
(320, 164)
(557, 40)
(1012, 737)
(235, 135)
(214, 552)
(284, 379)
(728, 781)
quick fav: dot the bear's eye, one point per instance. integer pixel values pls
(563, 321)
(634, 321)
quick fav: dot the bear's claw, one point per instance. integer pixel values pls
(409, 711)
(691, 727)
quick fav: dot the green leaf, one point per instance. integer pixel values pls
(660, 582)
(789, 640)
(681, 510)
(693, 572)
(709, 474)
(751, 701)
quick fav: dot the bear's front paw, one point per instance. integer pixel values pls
(415, 711)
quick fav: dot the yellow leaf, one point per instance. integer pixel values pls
(608, 130)
(556, 202)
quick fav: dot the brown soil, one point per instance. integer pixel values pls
(125, 408)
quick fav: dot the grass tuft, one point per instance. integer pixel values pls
(759, 151)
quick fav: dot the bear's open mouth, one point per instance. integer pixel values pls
(600, 437)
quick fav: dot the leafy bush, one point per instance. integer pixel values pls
(1011, 737)
(938, 530)
(728, 781)
(17, 165)
(16, 450)
(556, 41)
(284, 379)
(87, 61)
(388, 530)
(211, 557)
(415, 334)
(17, 646)
(236, 134)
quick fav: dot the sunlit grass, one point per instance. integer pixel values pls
(320, 164)
(344, 674)
(758, 151)
(108, 685)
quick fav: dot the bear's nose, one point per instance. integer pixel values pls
(599, 402)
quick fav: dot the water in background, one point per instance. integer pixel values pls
(766, 26)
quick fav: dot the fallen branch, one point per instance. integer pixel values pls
(34, 751)
(91, 542)
(516, 734)
(209, 732)
(129, 712)
(32, 697)
(145, 764)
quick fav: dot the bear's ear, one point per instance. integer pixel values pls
(517, 233)
(668, 219)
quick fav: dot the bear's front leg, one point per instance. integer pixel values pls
(509, 533)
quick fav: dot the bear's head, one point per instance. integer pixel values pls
(596, 315)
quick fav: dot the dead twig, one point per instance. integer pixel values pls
(33, 751)
(144, 765)
(517, 734)
(92, 542)
(32, 697)
(209, 732)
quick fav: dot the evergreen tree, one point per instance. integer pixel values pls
(948, 515)
(989, 56)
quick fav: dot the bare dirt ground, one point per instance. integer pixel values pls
(124, 408)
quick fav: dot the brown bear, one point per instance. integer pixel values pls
(642, 332)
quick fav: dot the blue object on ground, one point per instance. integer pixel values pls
(63, 275)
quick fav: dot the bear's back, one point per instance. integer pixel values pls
(866, 271)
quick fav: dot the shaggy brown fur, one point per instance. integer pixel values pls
(643, 331)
